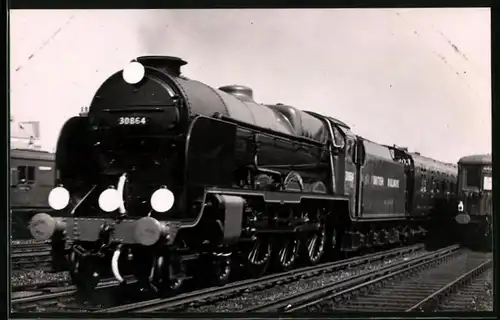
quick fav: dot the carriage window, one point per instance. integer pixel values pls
(21, 173)
(423, 185)
(473, 177)
(26, 174)
(487, 183)
(13, 176)
(433, 184)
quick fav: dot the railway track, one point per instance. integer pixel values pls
(416, 284)
(461, 293)
(212, 295)
(30, 255)
(37, 286)
(62, 298)
(27, 244)
(445, 279)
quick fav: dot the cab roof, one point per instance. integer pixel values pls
(30, 154)
(336, 121)
(434, 165)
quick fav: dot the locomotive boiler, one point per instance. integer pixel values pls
(167, 179)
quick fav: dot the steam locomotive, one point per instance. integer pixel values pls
(167, 178)
(475, 207)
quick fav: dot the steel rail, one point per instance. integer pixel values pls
(314, 296)
(40, 298)
(209, 294)
(433, 300)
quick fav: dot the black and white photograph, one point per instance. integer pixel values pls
(291, 161)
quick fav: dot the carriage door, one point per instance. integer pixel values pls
(44, 176)
(410, 184)
(26, 182)
(403, 158)
(487, 200)
(15, 199)
(350, 173)
(471, 187)
(359, 159)
(13, 177)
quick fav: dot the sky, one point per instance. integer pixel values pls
(418, 78)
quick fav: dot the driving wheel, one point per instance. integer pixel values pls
(256, 261)
(313, 247)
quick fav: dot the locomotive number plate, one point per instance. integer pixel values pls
(132, 121)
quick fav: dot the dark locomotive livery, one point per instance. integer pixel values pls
(167, 178)
(31, 180)
(475, 207)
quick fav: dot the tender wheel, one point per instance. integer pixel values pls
(332, 243)
(403, 236)
(313, 247)
(287, 254)
(257, 260)
(412, 236)
(84, 272)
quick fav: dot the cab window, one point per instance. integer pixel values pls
(338, 139)
(350, 150)
(473, 177)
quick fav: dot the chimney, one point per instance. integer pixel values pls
(84, 111)
(168, 64)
